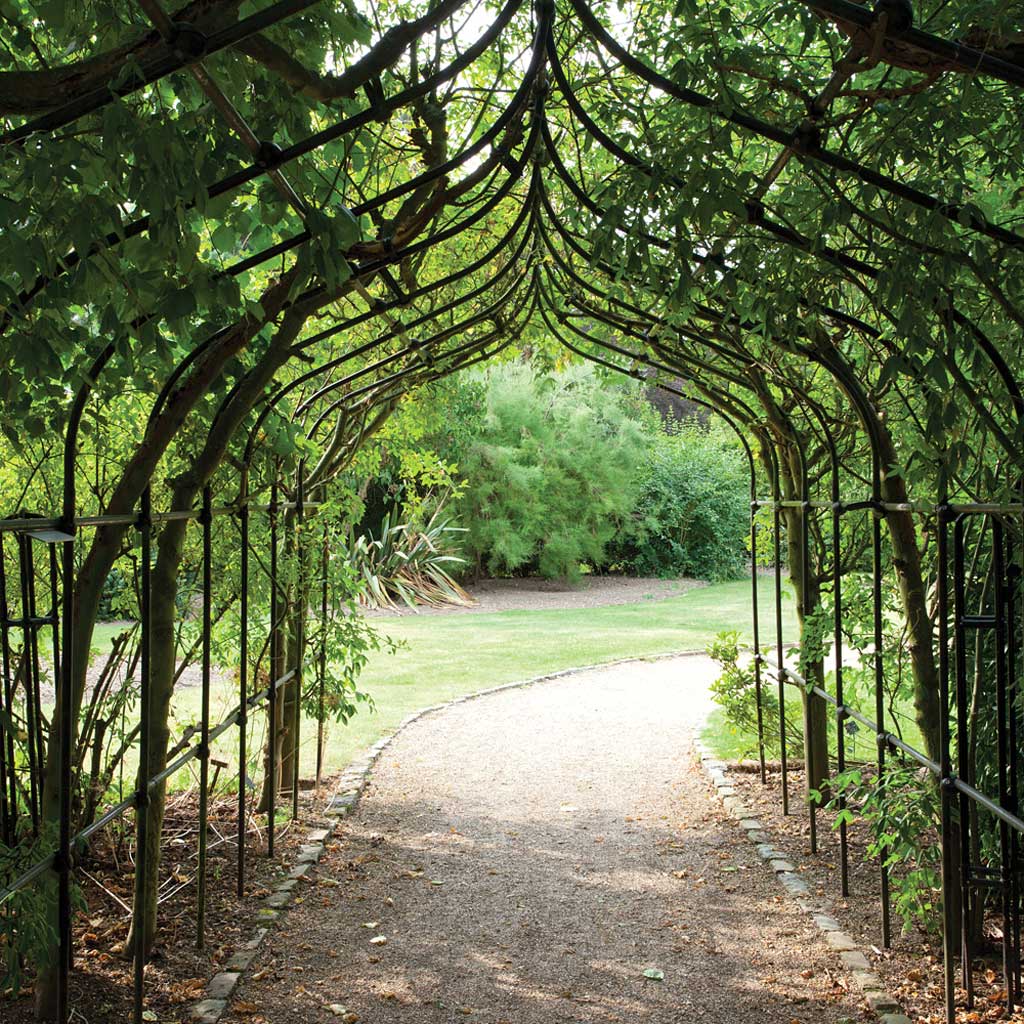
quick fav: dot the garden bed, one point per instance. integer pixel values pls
(912, 969)
(178, 972)
(534, 594)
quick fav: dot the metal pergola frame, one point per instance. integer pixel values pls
(547, 273)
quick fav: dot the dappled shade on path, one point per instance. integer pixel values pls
(527, 857)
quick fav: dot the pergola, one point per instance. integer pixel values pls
(748, 202)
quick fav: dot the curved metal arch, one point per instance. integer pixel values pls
(467, 349)
(382, 339)
(228, 184)
(758, 219)
(952, 212)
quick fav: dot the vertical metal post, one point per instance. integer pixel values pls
(274, 669)
(300, 628)
(322, 681)
(1006, 865)
(206, 520)
(755, 617)
(54, 610)
(55, 620)
(960, 700)
(33, 671)
(243, 688)
(8, 782)
(145, 527)
(65, 702)
(837, 653)
(32, 677)
(65, 696)
(779, 646)
(1013, 570)
(945, 765)
(805, 558)
(879, 666)
(32, 716)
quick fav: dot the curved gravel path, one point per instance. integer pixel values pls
(526, 857)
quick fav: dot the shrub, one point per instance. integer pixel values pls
(691, 515)
(901, 813)
(408, 564)
(735, 692)
(550, 477)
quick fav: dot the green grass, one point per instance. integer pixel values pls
(445, 656)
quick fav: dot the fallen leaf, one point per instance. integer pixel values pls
(654, 974)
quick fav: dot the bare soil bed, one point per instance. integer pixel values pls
(177, 975)
(912, 968)
(533, 594)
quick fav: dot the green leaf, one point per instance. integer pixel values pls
(224, 238)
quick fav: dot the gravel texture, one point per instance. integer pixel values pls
(526, 857)
(532, 594)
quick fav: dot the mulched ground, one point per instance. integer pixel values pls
(179, 972)
(527, 857)
(912, 968)
(532, 594)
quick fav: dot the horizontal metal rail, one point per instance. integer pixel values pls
(119, 810)
(29, 524)
(953, 782)
(922, 508)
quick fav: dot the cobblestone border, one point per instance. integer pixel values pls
(856, 963)
(351, 784)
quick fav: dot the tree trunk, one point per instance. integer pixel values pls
(291, 648)
(163, 614)
(906, 560)
(170, 550)
(805, 581)
(103, 552)
(806, 587)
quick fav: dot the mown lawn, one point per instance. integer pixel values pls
(444, 656)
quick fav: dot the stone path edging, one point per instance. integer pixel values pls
(351, 785)
(854, 961)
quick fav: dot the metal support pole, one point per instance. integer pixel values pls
(755, 617)
(145, 527)
(275, 637)
(65, 691)
(963, 745)
(837, 654)
(779, 646)
(1003, 753)
(8, 781)
(300, 629)
(32, 716)
(243, 689)
(879, 666)
(1013, 572)
(206, 519)
(322, 673)
(945, 767)
(805, 558)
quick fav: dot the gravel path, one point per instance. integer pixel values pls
(526, 857)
